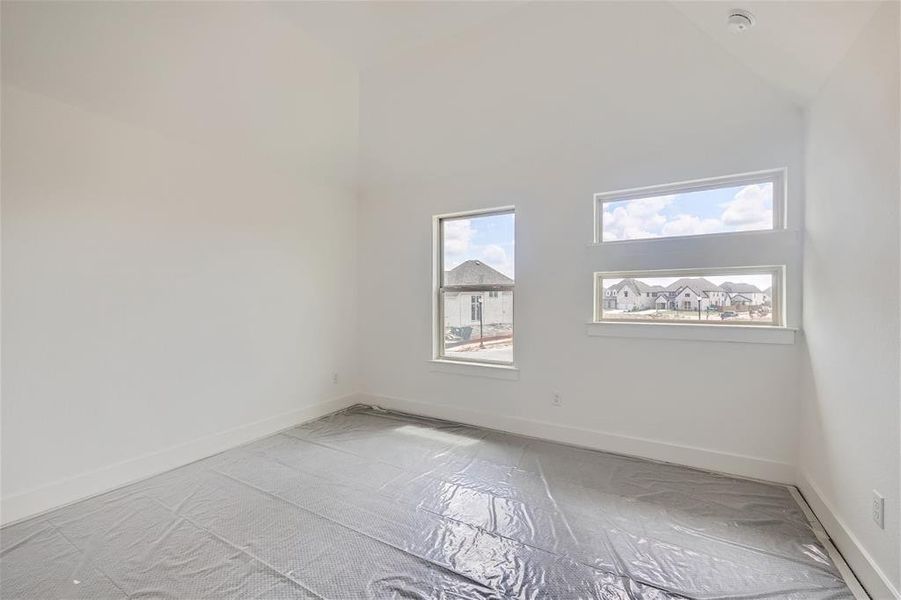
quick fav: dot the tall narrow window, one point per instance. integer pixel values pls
(475, 283)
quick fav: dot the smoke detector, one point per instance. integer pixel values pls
(740, 20)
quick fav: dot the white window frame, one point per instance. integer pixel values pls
(439, 289)
(777, 304)
(775, 176)
(777, 249)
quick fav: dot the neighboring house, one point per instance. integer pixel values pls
(746, 294)
(632, 294)
(691, 293)
(687, 298)
(688, 293)
(461, 309)
(768, 296)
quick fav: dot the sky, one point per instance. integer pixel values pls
(761, 281)
(737, 208)
(488, 239)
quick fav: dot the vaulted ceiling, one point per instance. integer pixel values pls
(794, 45)
(367, 32)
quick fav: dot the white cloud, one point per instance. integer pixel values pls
(459, 247)
(752, 208)
(494, 254)
(496, 257)
(636, 219)
(457, 236)
(691, 225)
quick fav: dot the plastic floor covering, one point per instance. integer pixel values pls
(372, 504)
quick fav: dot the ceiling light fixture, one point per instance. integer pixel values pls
(740, 20)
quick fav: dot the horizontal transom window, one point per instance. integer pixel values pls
(735, 203)
(738, 296)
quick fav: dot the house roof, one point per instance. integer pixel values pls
(698, 285)
(740, 287)
(637, 285)
(475, 272)
(643, 287)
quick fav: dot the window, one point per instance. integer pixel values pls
(721, 296)
(475, 306)
(751, 202)
(675, 270)
(474, 266)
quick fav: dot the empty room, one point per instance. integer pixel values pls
(546, 300)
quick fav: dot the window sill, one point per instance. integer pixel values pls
(474, 369)
(790, 234)
(747, 334)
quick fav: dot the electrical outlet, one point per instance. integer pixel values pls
(334, 378)
(556, 400)
(879, 509)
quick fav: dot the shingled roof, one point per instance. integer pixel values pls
(698, 285)
(475, 272)
(637, 285)
(740, 287)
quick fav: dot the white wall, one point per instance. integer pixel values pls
(541, 110)
(180, 254)
(178, 237)
(850, 422)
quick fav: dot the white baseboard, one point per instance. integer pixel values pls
(840, 563)
(866, 569)
(78, 487)
(711, 460)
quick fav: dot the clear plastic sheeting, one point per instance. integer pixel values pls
(371, 504)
